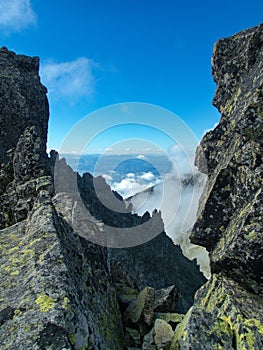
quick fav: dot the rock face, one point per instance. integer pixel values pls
(23, 134)
(227, 312)
(20, 88)
(168, 263)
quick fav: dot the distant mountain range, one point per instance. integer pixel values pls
(99, 164)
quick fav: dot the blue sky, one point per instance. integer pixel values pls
(97, 53)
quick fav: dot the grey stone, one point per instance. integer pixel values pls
(163, 335)
(166, 299)
(140, 312)
(227, 311)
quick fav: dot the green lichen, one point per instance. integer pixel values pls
(45, 302)
(251, 235)
(66, 303)
(32, 243)
(22, 257)
(221, 326)
(18, 313)
(247, 333)
(180, 331)
(72, 339)
(41, 257)
(13, 250)
(230, 104)
(27, 328)
(14, 273)
(7, 269)
(252, 322)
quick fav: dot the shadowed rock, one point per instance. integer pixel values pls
(227, 312)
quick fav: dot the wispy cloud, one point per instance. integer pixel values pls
(71, 80)
(147, 176)
(16, 15)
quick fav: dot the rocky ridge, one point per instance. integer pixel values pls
(227, 312)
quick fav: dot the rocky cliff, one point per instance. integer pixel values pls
(227, 312)
(23, 134)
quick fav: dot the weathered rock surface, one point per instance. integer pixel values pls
(23, 134)
(48, 278)
(132, 338)
(126, 287)
(168, 263)
(166, 299)
(227, 312)
(170, 317)
(162, 334)
(20, 88)
(148, 328)
(224, 316)
(140, 312)
(160, 337)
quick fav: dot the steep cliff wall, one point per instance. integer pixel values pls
(56, 290)
(227, 313)
(23, 134)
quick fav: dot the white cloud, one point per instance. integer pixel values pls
(147, 176)
(107, 177)
(183, 160)
(140, 156)
(130, 175)
(124, 187)
(128, 188)
(16, 15)
(133, 184)
(71, 80)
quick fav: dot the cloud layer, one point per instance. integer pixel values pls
(71, 80)
(178, 202)
(16, 15)
(132, 183)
